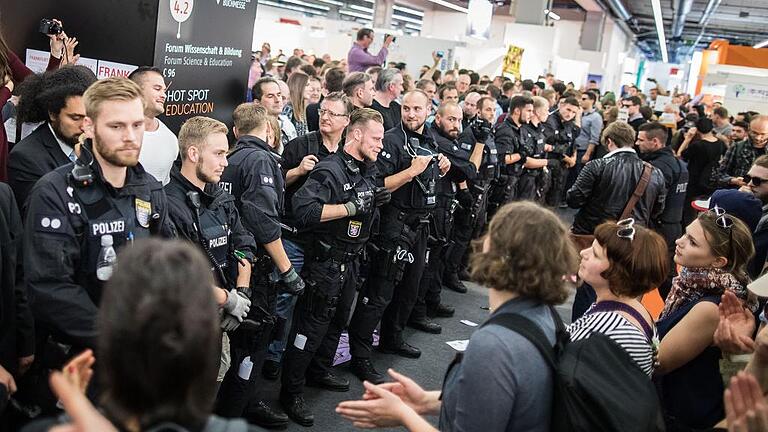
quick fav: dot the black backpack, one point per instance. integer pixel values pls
(598, 387)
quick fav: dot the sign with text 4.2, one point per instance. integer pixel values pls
(181, 11)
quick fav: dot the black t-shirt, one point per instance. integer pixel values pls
(392, 115)
(702, 157)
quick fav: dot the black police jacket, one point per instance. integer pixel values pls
(565, 134)
(33, 157)
(510, 140)
(461, 168)
(420, 194)
(675, 175)
(62, 236)
(215, 226)
(604, 187)
(490, 167)
(293, 153)
(539, 134)
(337, 179)
(17, 330)
(254, 178)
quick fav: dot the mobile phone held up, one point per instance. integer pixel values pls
(388, 35)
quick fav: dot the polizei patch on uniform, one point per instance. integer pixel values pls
(143, 210)
(110, 227)
(217, 242)
(354, 228)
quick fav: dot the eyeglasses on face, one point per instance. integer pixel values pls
(323, 112)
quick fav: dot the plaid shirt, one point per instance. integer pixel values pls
(736, 162)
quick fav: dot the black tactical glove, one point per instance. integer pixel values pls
(464, 197)
(359, 205)
(481, 129)
(381, 196)
(290, 282)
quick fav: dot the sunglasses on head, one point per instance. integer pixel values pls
(757, 181)
(626, 229)
(723, 219)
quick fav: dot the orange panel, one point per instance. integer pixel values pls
(746, 56)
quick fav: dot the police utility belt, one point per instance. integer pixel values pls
(323, 251)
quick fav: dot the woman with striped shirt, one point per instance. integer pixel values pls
(624, 262)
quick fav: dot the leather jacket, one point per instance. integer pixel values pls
(605, 185)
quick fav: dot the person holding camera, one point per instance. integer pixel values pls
(13, 72)
(451, 228)
(359, 59)
(409, 166)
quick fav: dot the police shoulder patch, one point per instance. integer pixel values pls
(466, 146)
(267, 180)
(51, 223)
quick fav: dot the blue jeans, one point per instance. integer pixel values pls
(286, 304)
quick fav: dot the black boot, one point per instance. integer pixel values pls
(364, 370)
(440, 311)
(425, 325)
(297, 409)
(263, 415)
(329, 381)
(453, 282)
(403, 349)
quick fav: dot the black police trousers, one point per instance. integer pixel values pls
(502, 192)
(392, 286)
(320, 316)
(431, 284)
(235, 392)
(529, 187)
(556, 193)
(460, 238)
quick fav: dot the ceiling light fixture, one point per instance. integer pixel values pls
(450, 6)
(761, 44)
(408, 10)
(659, 19)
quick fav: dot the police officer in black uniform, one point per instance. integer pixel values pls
(469, 217)
(409, 166)
(535, 173)
(511, 146)
(299, 158)
(451, 218)
(206, 215)
(254, 178)
(337, 207)
(651, 140)
(565, 133)
(78, 211)
(489, 168)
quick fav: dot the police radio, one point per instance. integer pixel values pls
(82, 172)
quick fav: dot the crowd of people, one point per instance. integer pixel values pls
(191, 268)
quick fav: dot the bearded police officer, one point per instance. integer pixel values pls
(489, 167)
(80, 213)
(254, 178)
(445, 225)
(410, 167)
(336, 208)
(206, 215)
(477, 142)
